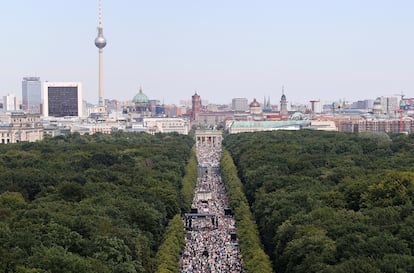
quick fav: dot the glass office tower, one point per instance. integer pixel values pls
(31, 95)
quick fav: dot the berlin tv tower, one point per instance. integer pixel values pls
(100, 43)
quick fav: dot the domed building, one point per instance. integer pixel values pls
(142, 103)
(255, 107)
(377, 107)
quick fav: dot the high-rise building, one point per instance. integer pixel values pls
(31, 95)
(386, 106)
(62, 99)
(363, 104)
(11, 103)
(389, 104)
(239, 104)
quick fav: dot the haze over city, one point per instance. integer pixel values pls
(325, 50)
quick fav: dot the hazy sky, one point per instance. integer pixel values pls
(327, 50)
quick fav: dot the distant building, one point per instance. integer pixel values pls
(267, 107)
(182, 111)
(255, 108)
(239, 104)
(283, 105)
(237, 127)
(172, 110)
(142, 105)
(31, 95)
(211, 108)
(156, 107)
(315, 106)
(62, 99)
(391, 104)
(11, 103)
(17, 126)
(407, 104)
(166, 125)
(212, 119)
(186, 103)
(160, 110)
(377, 107)
(196, 106)
(323, 125)
(363, 104)
(386, 105)
(90, 129)
(387, 125)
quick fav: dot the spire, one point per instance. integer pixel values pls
(283, 98)
(283, 104)
(100, 14)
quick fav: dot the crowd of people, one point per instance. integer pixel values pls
(211, 244)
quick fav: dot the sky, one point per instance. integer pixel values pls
(222, 49)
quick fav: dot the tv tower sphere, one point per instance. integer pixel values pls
(100, 41)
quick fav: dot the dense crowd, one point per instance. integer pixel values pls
(211, 246)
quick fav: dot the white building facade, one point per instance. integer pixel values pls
(11, 103)
(166, 125)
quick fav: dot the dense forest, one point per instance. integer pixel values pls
(254, 258)
(330, 202)
(97, 203)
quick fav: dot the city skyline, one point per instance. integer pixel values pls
(319, 50)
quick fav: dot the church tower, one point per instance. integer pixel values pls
(283, 104)
(196, 105)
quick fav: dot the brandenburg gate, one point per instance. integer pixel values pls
(211, 137)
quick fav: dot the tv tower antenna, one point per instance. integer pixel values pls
(100, 43)
(100, 13)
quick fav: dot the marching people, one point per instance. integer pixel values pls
(209, 245)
